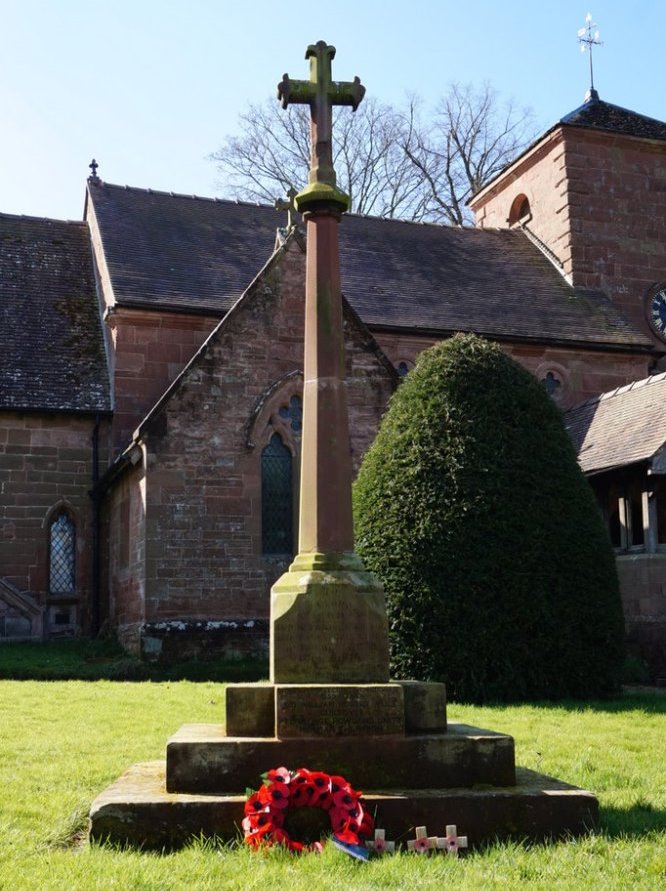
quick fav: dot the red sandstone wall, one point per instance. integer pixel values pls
(150, 348)
(541, 176)
(617, 199)
(584, 373)
(203, 486)
(598, 201)
(125, 531)
(45, 460)
(643, 586)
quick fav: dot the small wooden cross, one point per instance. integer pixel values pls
(379, 845)
(422, 844)
(452, 841)
(289, 205)
(321, 93)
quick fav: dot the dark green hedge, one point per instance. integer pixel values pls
(470, 506)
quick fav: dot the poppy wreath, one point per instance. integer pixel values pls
(282, 790)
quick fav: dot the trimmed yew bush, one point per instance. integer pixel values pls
(499, 574)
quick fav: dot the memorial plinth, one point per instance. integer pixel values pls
(328, 623)
(329, 705)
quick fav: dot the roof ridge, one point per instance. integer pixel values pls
(40, 219)
(619, 391)
(433, 223)
(168, 194)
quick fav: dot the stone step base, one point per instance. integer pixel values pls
(137, 810)
(201, 758)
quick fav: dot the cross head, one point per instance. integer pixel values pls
(321, 93)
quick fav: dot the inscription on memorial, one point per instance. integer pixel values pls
(335, 633)
(340, 710)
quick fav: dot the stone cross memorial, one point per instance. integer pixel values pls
(329, 705)
(328, 620)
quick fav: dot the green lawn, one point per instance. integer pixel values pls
(62, 742)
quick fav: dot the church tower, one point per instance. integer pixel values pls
(592, 192)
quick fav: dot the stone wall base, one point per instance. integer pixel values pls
(172, 641)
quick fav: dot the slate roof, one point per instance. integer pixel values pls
(51, 348)
(622, 427)
(595, 114)
(198, 255)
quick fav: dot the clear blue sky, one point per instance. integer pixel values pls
(150, 88)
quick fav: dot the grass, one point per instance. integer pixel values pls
(61, 743)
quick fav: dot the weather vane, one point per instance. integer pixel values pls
(589, 37)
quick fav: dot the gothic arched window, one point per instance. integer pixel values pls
(62, 542)
(277, 498)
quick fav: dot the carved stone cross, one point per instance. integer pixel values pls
(321, 93)
(288, 204)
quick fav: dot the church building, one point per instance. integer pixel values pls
(151, 379)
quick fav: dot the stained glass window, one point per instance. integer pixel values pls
(277, 498)
(294, 412)
(61, 566)
(552, 385)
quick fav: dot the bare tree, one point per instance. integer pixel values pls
(390, 162)
(471, 137)
(272, 153)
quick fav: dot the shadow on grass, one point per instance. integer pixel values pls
(651, 700)
(633, 822)
(76, 660)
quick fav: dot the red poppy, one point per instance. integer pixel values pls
(278, 795)
(303, 795)
(278, 775)
(257, 802)
(324, 800)
(339, 784)
(322, 785)
(344, 798)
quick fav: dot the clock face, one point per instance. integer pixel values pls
(656, 312)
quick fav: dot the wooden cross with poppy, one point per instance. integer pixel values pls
(452, 842)
(379, 845)
(423, 843)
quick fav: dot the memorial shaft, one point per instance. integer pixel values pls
(325, 520)
(328, 616)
